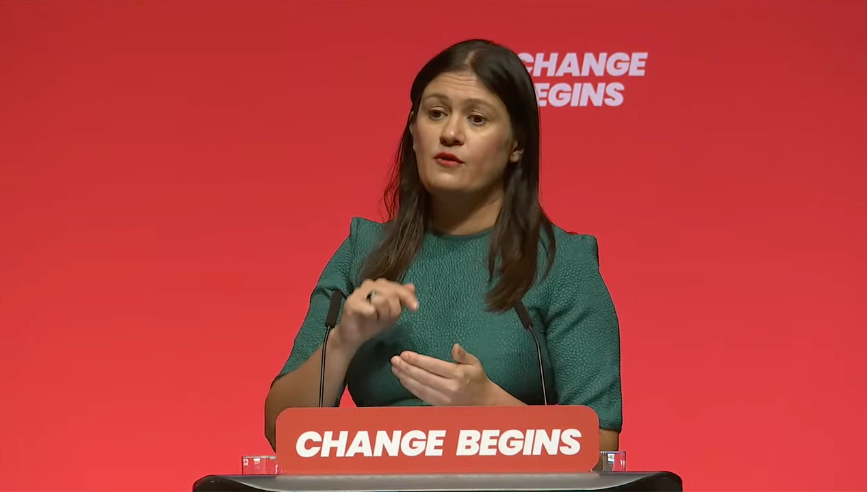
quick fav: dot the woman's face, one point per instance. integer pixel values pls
(462, 136)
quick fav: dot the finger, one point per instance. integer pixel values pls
(462, 356)
(422, 391)
(394, 308)
(387, 302)
(365, 288)
(361, 308)
(430, 364)
(359, 298)
(419, 374)
(407, 296)
(382, 305)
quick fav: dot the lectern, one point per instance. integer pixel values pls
(530, 482)
(448, 449)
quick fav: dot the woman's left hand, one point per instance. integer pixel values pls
(442, 383)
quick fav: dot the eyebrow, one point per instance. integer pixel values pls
(472, 100)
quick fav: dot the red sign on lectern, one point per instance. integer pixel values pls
(408, 440)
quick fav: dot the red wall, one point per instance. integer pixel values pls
(174, 176)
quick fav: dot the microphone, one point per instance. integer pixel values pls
(330, 322)
(524, 316)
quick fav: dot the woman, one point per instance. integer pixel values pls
(429, 318)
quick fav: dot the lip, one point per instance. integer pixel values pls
(447, 159)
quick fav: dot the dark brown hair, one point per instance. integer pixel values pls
(515, 239)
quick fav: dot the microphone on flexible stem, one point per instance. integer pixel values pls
(524, 316)
(330, 322)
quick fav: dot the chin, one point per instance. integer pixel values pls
(444, 186)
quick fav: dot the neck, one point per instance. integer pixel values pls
(465, 215)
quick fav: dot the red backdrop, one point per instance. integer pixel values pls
(174, 176)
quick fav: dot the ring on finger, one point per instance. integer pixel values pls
(370, 295)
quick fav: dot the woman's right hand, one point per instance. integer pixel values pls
(372, 308)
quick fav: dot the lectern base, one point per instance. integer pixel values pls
(620, 481)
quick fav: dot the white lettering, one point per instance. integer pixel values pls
(542, 93)
(560, 95)
(570, 446)
(580, 94)
(546, 441)
(339, 444)
(595, 64)
(300, 445)
(412, 443)
(360, 444)
(491, 442)
(594, 93)
(511, 442)
(618, 64)
(434, 443)
(569, 66)
(576, 95)
(488, 446)
(613, 91)
(528, 442)
(468, 443)
(550, 64)
(390, 444)
(636, 65)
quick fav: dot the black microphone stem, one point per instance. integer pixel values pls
(322, 368)
(524, 316)
(330, 322)
(541, 366)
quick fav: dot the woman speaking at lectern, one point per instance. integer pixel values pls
(434, 295)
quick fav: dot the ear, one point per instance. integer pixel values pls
(516, 154)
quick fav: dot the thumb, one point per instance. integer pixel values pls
(463, 357)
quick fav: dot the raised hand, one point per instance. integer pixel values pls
(372, 308)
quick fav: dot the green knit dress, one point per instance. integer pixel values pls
(572, 312)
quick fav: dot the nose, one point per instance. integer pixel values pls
(453, 132)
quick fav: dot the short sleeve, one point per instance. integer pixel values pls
(336, 276)
(583, 333)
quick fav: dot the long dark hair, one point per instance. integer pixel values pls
(515, 239)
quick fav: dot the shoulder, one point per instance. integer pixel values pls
(576, 243)
(575, 261)
(574, 250)
(575, 265)
(364, 237)
(365, 233)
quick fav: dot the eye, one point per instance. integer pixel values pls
(435, 114)
(478, 119)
